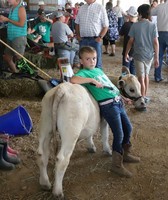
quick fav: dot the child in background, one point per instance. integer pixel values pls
(111, 108)
(32, 36)
(144, 36)
(43, 27)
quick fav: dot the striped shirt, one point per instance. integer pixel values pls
(91, 19)
(14, 31)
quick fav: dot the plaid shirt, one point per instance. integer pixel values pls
(91, 19)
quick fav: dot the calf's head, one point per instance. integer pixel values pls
(130, 87)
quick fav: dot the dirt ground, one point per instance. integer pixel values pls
(89, 176)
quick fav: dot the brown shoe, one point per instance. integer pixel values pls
(127, 156)
(118, 167)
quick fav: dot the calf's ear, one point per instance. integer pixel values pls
(121, 84)
(125, 70)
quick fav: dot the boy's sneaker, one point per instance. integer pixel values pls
(147, 99)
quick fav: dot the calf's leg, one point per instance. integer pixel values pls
(91, 147)
(62, 162)
(44, 151)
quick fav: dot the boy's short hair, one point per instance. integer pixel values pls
(86, 49)
(145, 11)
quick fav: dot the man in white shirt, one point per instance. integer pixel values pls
(91, 26)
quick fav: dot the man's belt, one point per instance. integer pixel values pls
(94, 37)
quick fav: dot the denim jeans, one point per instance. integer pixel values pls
(66, 53)
(120, 23)
(115, 115)
(129, 65)
(97, 45)
(163, 43)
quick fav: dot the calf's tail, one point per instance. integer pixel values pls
(59, 94)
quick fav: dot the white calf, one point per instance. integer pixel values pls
(71, 110)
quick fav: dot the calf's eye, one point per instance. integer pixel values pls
(132, 90)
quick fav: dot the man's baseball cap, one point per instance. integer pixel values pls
(58, 14)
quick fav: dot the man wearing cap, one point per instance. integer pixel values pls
(161, 11)
(91, 26)
(40, 11)
(62, 34)
(132, 17)
(41, 6)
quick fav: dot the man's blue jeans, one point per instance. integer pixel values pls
(90, 41)
(115, 115)
(120, 23)
(163, 43)
(66, 53)
(130, 65)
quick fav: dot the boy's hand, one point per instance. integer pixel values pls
(127, 100)
(97, 84)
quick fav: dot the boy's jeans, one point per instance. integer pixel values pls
(115, 115)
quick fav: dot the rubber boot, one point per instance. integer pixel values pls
(10, 159)
(12, 151)
(117, 165)
(12, 155)
(127, 157)
(3, 164)
(5, 138)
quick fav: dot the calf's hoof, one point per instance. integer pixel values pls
(44, 183)
(59, 197)
(107, 152)
(91, 150)
(46, 187)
